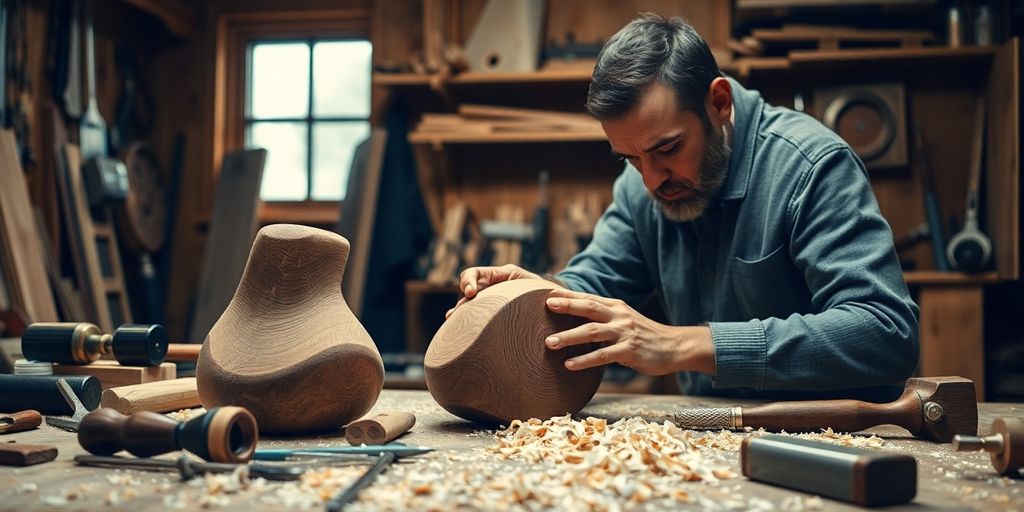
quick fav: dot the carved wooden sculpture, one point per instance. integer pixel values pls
(488, 362)
(288, 348)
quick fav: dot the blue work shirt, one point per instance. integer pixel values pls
(792, 266)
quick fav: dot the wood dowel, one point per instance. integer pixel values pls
(183, 352)
(380, 428)
(164, 396)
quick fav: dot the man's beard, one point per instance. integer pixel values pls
(713, 169)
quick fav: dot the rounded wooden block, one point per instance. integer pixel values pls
(380, 428)
(488, 362)
(288, 348)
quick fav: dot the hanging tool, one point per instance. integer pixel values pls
(933, 408)
(70, 424)
(40, 392)
(189, 468)
(19, 421)
(83, 343)
(969, 250)
(380, 428)
(931, 206)
(1005, 446)
(223, 434)
(865, 477)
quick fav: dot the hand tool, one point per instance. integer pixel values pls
(19, 421)
(865, 477)
(222, 434)
(17, 454)
(399, 449)
(348, 494)
(189, 468)
(933, 408)
(380, 428)
(79, 411)
(83, 343)
(20, 392)
(1005, 446)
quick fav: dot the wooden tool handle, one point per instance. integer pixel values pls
(106, 432)
(16, 422)
(17, 454)
(161, 396)
(840, 415)
(380, 428)
(183, 352)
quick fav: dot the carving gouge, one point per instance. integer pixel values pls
(189, 468)
(933, 408)
(400, 450)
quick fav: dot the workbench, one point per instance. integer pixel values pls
(946, 480)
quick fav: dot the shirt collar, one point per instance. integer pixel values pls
(746, 106)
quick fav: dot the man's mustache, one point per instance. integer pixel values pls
(670, 187)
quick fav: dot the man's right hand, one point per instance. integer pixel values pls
(474, 279)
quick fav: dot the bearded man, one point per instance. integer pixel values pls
(755, 227)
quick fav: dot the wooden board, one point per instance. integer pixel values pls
(164, 396)
(1002, 161)
(358, 211)
(952, 333)
(98, 259)
(232, 229)
(112, 374)
(20, 253)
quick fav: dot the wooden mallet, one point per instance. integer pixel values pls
(932, 408)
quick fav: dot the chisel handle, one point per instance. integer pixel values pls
(840, 415)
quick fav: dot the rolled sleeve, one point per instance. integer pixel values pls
(741, 354)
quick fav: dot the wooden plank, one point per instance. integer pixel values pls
(1002, 159)
(112, 374)
(101, 278)
(20, 252)
(952, 333)
(159, 396)
(506, 137)
(232, 229)
(472, 110)
(358, 212)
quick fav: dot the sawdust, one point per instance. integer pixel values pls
(731, 441)
(186, 414)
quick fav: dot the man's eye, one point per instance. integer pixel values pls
(668, 150)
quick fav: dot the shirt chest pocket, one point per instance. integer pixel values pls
(769, 286)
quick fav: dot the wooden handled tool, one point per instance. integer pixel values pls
(379, 429)
(223, 434)
(162, 396)
(933, 408)
(1005, 445)
(83, 343)
(18, 421)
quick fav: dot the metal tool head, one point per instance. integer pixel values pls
(948, 407)
(72, 423)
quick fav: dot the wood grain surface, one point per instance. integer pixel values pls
(488, 362)
(947, 480)
(288, 348)
(165, 396)
(112, 374)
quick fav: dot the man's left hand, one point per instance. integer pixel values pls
(629, 338)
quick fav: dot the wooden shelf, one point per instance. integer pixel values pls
(931, 277)
(889, 54)
(437, 138)
(556, 75)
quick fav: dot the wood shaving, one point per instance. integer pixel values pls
(730, 441)
(186, 414)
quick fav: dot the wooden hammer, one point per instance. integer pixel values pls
(932, 408)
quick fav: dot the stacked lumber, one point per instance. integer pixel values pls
(486, 119)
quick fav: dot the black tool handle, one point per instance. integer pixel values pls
(40, 392)
(54, 342)
(140, 345)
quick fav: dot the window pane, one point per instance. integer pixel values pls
(284, 176)
(333, 146)
(341, 79)
(279, 77)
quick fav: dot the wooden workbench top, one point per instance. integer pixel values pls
(945, 479)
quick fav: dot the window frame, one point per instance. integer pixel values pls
(236, 32)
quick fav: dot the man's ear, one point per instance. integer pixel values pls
(720, 100)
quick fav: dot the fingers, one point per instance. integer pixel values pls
(474, 279)
(617, 353)
(592, 332)
(582, 305)
(461, 301)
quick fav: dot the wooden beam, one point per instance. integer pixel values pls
(112, 374)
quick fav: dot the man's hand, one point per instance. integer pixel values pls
(629, 338)
(474, 279)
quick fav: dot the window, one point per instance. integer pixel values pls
(308, 104)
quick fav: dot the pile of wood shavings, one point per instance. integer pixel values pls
(731, 441)
(186, 414)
